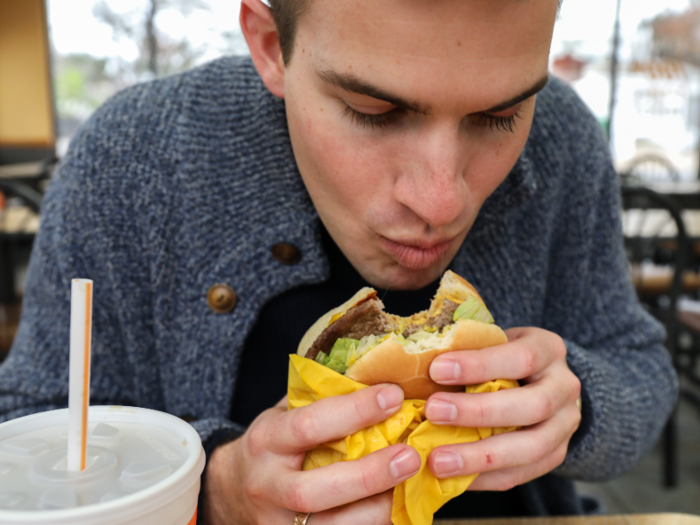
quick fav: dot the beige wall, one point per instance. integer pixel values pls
(26, 114)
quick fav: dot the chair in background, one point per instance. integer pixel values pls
(19, 221)
(27, 144)
(649, 168)
(657, 248)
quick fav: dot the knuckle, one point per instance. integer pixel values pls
(358, 408)
(560, 456)
(539, 449)
(543, 408)
(369, 481)
(577, 419)
(560, 349)
(257, 439)
(481, 366)
(296, 497)
(480, 413)
(253, 488)
(575, 386)
(529, 361)
(302, 426)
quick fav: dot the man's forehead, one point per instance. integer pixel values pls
(420, 55)
(458, 28)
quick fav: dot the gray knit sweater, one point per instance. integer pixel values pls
(188, 181)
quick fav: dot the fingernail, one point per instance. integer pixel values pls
(448, 463)
(389, 397)
(445, 370)
(404, 464)
(440, 411)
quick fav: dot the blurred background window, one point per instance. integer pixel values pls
(102, 46)
(656, 79)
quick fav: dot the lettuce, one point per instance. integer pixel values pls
(472, 308)
(342, 350)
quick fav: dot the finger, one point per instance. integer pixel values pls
(331, 418)
(346, 481)
(523, 406)
(375, 510)
(507, 479)
(282, 403)
(505, 451)
(516, 359)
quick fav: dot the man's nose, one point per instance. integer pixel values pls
(433, 184)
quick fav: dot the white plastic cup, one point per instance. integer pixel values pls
(143, 468)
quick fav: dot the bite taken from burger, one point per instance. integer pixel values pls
(367, 344)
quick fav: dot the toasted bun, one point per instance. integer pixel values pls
(319, 326)
(408, 366)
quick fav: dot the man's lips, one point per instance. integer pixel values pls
(416, 255)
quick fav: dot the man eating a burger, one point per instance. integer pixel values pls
(365, 143)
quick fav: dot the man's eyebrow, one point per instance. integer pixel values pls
(355, 85)
(536, 88)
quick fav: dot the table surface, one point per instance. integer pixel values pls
(623, 519)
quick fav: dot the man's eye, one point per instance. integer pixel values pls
(498, 123)
(380, 120)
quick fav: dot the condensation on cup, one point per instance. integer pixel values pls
(143, 467)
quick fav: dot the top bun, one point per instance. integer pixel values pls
(408, 364)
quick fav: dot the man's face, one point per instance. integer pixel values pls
(405, 115)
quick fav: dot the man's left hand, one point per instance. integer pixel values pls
(545, 406)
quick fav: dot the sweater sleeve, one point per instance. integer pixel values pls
(34, 377)
(99, 217)
(629, 386)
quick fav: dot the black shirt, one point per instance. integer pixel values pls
(262, 379)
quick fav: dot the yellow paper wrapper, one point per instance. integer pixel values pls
(419, 497)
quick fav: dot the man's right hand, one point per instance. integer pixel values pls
(257, 479)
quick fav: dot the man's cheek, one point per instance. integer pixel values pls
(345, 157)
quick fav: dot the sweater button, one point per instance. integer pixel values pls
(221, 298)
(286, 253)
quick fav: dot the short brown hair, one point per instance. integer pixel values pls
(286, 14)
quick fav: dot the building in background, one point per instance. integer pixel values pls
(658, 85)
(122, 42)
(677, 36)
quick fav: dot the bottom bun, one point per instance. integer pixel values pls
(408, 366)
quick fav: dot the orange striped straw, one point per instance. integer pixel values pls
(79, 387)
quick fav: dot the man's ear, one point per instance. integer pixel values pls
(261, 34)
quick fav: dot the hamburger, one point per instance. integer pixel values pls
(365, 343)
